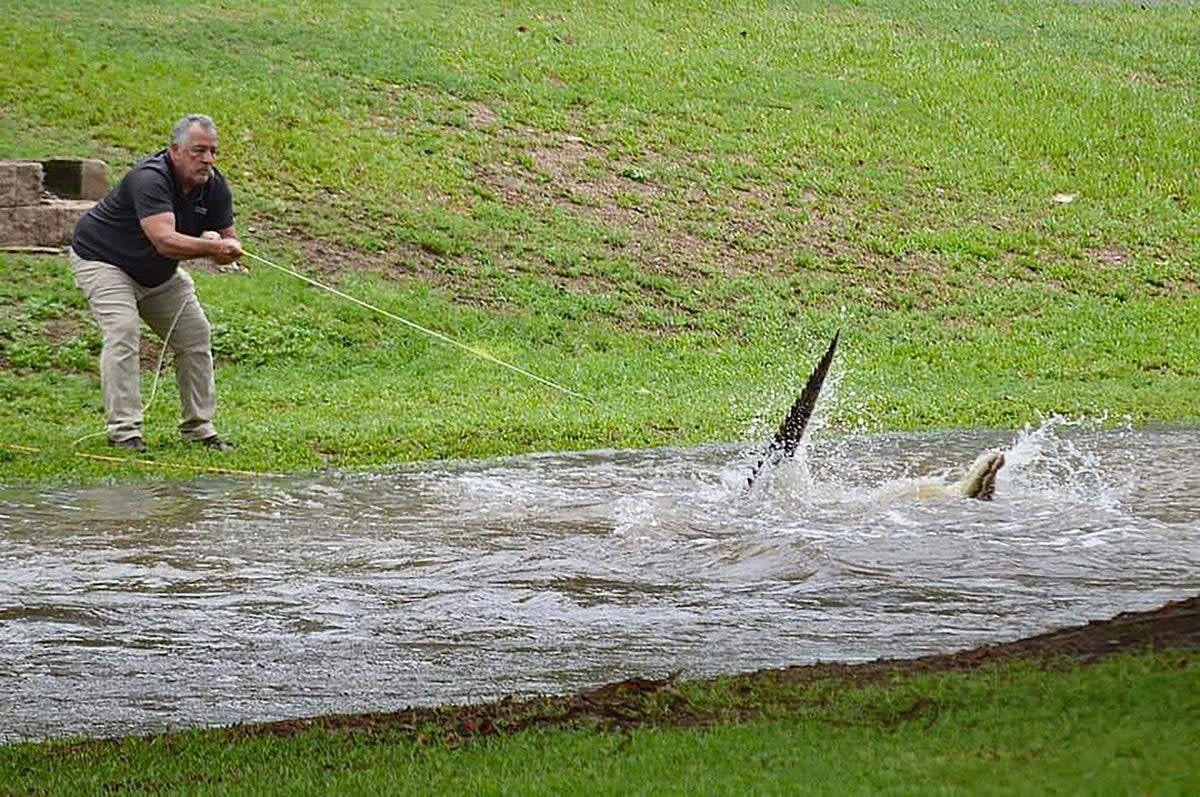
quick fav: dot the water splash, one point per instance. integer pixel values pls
(246, 600)
(1049, 460)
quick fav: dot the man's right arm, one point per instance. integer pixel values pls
(160, 229)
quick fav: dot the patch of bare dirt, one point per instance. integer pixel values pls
(58, 331)
(638, 701)
(150, 353)
(324, 258)
(1108, 257)
(1115, 259)
(659, 212)
(683, 232)
(1175, 626)
(480, 116)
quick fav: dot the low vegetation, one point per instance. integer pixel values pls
(1123, 727)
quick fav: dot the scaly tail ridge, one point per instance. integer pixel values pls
(791, 431)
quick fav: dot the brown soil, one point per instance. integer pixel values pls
(637, 701)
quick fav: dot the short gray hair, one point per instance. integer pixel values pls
(182, 134)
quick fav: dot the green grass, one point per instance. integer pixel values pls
(1123, 727)
(665, 207)
(668, 207)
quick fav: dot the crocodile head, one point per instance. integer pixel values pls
(980, 481)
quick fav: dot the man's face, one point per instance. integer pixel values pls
(193, 158)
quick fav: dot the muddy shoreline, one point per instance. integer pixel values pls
(635, 702)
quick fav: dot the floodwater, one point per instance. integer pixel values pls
(139, 608)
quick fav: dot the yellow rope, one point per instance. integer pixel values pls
(147, 462)
(425, 330)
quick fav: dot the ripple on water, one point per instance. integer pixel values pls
(227, 599)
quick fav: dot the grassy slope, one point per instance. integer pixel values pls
(667, 207)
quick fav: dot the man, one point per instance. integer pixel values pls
(125, 255)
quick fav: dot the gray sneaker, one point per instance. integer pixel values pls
(135, 444)
(216, 442)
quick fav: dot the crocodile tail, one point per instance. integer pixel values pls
(791, 431)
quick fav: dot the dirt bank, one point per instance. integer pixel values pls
(637, 701)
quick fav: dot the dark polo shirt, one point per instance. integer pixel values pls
(111, 232)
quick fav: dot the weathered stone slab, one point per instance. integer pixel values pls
(48, 223)
(20, 183)
(75, 178)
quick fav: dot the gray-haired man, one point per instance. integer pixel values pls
(125, 257)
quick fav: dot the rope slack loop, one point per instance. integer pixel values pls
(432, 333)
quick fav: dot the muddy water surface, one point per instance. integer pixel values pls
(143, 607)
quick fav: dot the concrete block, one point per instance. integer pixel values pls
(20, 183)
(48, 223)
(76, 178)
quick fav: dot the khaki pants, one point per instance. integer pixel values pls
(118, 302)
